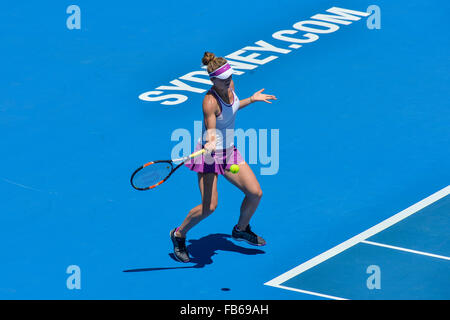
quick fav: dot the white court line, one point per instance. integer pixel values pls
(276, 282)
(310, 293)
(405, 249)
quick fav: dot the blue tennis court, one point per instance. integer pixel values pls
(353, 157)
(394, 246)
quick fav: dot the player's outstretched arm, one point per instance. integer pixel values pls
(257, 96)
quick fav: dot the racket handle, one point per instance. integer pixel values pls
(196, 154)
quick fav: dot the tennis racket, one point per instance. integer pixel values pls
(153, 173)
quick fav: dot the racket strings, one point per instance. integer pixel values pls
(152, 174)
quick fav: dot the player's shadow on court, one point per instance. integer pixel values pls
(202, 250)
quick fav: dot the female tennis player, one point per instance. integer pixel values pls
(220, 106)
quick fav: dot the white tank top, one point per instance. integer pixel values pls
(225, 122)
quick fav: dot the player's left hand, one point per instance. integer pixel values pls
(259, 96)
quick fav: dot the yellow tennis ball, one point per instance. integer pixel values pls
(234, 168)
